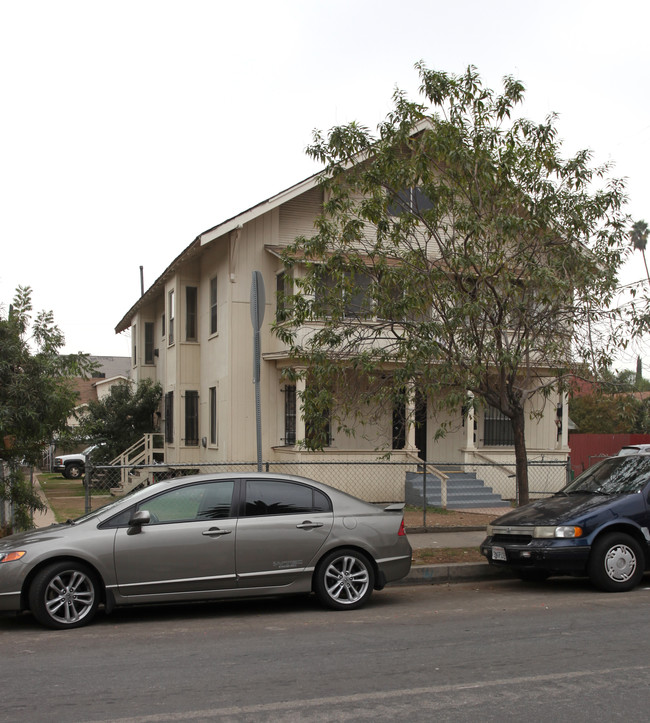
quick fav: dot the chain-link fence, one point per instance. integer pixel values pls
(421, 485)
(6, 510)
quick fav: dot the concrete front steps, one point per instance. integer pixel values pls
(464, 490)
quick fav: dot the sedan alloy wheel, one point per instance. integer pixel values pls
(64, 595)
(344, 579)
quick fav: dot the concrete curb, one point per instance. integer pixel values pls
(454, 572)
(438, 530)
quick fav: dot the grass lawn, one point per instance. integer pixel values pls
(67, 497)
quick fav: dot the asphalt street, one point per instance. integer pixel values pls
(486, 651)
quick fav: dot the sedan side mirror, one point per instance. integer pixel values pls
(139, 518)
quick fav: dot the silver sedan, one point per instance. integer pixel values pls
(203, 538)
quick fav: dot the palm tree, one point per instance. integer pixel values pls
(639, 238)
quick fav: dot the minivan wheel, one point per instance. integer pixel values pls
(344, 580)
(616, 563)
(64, 595)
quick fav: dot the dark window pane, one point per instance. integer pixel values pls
(191, 419)
(410, 200)
(213, 305)
(148, 342)
(274, 497)
(169, 417)
(321, 502)
(358, 302)
(421, 202)
(290, 414)
(401, 203)
(497, 431)
(172, 313)
(213, 415)
(191, 313)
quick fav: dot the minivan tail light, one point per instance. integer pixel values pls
(402, 531)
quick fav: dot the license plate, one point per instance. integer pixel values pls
(499, 553)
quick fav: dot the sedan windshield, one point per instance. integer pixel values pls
(613, 476)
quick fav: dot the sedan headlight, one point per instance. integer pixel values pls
(561, 531)
(11, 556)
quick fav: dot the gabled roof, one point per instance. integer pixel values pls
(212, 234)
(221, 229)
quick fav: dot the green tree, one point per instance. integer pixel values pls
(607, 414)
(458, 252)
(120, 418)
(639, 239)
(36, 395)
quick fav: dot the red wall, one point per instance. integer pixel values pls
(586, 449)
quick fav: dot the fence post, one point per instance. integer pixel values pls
(3, 502)
(424, 494)
(443, 492)
(87, 476)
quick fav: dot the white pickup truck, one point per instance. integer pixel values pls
(73, 466)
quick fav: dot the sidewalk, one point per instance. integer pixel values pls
(42, 519)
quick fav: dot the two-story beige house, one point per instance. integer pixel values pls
(191, 331)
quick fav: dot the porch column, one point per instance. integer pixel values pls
(409, 419)
(470, 441)
(300, 417)
(563, 438)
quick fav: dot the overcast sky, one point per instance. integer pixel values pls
(129, 127)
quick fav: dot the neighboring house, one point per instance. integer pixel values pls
(191, 331)
(110, 371)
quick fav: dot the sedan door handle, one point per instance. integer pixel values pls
(215, 532)
(309, 525)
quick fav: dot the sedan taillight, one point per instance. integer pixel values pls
(402, 531)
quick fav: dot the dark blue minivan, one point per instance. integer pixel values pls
(597, 526)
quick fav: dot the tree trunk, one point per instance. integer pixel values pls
(521, 457)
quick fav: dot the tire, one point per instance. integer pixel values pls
(616, 563)
(532, 575)
(64, 595)
(73, 471)
(344, 580)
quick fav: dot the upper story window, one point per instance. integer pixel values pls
(162, 325)
(358, 302)
(353, 292)
(134, 339)
(410, 200)
(283, 291)
(148, 342)
(213, 305)
(191, 313)
(171, 312)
